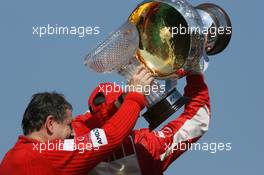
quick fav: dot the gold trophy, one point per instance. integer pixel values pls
(169, 37)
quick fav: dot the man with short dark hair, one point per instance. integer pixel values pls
(51, 111)
(47, 146)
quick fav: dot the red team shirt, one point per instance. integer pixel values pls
(26, 159)
(156, 150)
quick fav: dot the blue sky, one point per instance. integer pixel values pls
(30, 64)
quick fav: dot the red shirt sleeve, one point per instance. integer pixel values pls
(164, 146)
(104, 140)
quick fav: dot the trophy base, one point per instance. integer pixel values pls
(162, 110)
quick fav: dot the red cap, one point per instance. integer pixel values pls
(111, 92)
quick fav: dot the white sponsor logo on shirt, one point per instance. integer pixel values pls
(68, 145)
(98, 137)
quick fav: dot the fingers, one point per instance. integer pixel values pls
(149, 80)
(139, 69)
(141, 80)
(141, 74)
(146, 76)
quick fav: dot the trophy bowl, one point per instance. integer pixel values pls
(162, 53)
(173, 35)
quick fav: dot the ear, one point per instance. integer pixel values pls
(49, 124)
